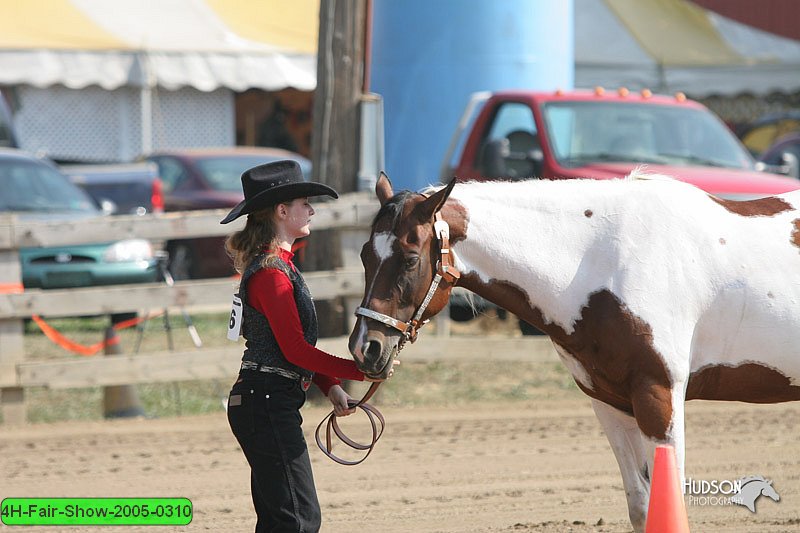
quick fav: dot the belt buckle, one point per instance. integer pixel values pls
(305, 383)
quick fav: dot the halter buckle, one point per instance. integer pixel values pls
(441, 229)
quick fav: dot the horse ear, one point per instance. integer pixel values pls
(383, 188)
(434, 203)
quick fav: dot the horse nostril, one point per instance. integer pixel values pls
(372, 350)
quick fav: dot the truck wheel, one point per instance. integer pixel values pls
(527, 329)
(181, 261)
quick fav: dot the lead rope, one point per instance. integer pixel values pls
(331, 424)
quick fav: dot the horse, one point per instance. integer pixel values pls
(652, 291)
(752, 488)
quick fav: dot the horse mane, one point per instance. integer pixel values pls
(640, 173)
(430, 189)
(393, 208)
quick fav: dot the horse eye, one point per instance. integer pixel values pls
(411, 262)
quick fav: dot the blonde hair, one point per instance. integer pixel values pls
(258, 233)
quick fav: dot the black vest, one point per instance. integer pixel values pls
(261, 347)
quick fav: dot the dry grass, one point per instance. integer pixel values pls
(415, 384)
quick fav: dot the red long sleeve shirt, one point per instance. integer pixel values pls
(271, 293)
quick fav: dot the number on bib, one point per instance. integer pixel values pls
(235, 323)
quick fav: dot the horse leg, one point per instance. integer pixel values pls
(659, 414)
(631, 450)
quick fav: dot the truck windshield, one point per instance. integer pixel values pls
(587, 132)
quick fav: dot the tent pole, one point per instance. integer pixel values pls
(146, 104)
(662, 78)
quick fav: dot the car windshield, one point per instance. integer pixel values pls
(588, 132)
(224, 173)
(35, 186)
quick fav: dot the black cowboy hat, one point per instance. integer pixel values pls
(272, 184)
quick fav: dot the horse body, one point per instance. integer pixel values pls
(652, 291)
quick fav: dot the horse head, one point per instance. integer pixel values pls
(408, 275)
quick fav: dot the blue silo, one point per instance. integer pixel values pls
(428, 56)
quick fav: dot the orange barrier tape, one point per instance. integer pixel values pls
(11, 288)
(81, 349)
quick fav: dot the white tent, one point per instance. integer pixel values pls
(271, 44)
(107, 80)
(236, 44)
(674, 45)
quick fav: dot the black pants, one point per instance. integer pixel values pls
(264, 414)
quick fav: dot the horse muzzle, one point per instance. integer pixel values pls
(377, 356)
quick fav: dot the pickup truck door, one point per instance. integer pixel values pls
(503, 143)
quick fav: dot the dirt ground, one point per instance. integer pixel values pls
(543, 467)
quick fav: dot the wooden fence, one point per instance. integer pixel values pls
(351, 215)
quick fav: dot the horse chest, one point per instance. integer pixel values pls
(600, 373)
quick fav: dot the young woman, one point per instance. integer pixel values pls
(279, 324)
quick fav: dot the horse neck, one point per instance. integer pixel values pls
(530, 234)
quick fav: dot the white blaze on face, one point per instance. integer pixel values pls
(382, 244)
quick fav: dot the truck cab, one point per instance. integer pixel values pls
(600, 134)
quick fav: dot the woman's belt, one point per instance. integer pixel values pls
(252, 365)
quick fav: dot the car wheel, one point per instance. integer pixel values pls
(527, 329)
(181, 261)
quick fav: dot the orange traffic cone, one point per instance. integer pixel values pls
(666, 512)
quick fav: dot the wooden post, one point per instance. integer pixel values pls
(119, 401)
(12, 399)
(340, 78)
(337, 131)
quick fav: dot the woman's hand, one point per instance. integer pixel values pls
(339, 399)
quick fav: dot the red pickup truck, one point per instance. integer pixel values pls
(600, 134)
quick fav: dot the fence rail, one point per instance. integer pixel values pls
(215, 363)
(351, 215)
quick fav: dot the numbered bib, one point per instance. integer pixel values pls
(235, 323)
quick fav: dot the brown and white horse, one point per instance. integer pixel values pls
(652, 291)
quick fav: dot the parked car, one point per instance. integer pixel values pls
(208, 178)
(35, 190)
(763, 133)
(120, 189)
(783, 156)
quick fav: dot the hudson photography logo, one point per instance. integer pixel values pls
(744, 491)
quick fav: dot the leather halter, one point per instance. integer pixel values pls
(445, 269)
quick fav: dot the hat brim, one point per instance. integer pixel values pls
(276, 195)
